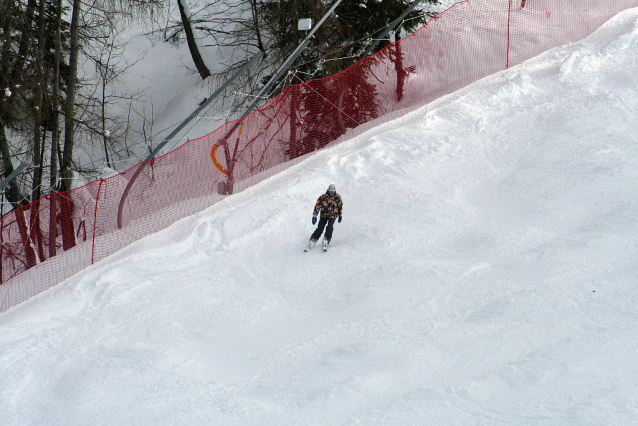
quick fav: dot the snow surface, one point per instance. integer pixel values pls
(484, 273)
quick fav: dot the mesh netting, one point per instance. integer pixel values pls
(53, 238)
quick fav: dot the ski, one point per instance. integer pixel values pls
(310, 245)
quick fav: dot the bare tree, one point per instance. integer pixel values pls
(66, 168)
(14, 20)
(40, 54)
(184, 11)
(232, 29)
(86, 110)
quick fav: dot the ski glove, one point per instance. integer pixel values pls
(339, 220)
(314, 219)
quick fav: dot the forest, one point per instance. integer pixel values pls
(62, 61)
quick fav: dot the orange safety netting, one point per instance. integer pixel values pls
(53, 238)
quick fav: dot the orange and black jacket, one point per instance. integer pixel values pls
(330, 206)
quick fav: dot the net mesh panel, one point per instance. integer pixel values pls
(53, 238)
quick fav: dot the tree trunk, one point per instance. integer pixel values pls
(37, 113)
(36, 231)
(25, 41)
(400, 70)
(55, 134)
(13, 194)
(66, 220)
(253, 6)
(192, 45)
(66, 169)
(294, 146)
(103, 120)
(53, 224)
(55, 129)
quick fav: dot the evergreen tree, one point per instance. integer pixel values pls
(338, 44)
(344, 36)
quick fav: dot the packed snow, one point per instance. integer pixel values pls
(484, 273)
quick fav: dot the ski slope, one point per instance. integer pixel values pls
(484, 273)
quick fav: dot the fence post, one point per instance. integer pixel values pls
(66, 220)
(509, 29)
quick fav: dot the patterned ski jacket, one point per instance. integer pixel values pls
(330, 206)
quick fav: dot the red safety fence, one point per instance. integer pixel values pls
(53, 238)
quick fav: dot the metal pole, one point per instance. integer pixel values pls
(12, 176)
(204, 104)
(177, 129)
(282, 69)
(294, 55)
(374, 44)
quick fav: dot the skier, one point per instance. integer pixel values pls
(330, 205)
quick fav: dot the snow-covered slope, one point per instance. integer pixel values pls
(484, 273)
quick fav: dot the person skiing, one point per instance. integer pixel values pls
(330, 206)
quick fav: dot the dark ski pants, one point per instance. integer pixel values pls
(322, 223)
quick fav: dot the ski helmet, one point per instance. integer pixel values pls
(331, 189)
